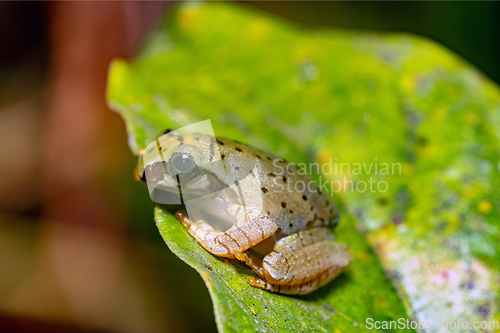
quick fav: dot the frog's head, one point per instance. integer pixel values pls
(178, 162)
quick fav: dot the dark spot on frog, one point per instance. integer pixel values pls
(312, 208)
(322, 220)
(331, 210)
(258, 156)
(220, 143)
(304, 197)
(264, 190)
(197, 138)
(283, 204)
(180, 139)
(270, 174)
(291, 225)
(327, 203)
(238, 149)
(284, 179)
(236, 168)
(236, 183)
(291, 211)
(222, 156)
(270, 159)
(167, 131)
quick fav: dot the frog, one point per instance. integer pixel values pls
(286, 238)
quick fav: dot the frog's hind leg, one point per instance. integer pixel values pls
(303, 262)
(253, 262)
(251, 228)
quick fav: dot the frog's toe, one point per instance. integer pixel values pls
(256, 282)
(288, 289)
(260, 283)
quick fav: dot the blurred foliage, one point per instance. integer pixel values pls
(469, 28)
(344, 97)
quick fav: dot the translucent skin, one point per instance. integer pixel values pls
(288, 241)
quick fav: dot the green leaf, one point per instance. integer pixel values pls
(392, 111)
(343, 305)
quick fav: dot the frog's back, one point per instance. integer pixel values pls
(290, 197)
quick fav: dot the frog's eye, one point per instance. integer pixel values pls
(182, 163)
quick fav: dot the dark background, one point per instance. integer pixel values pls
(471, 29)
(79, 251)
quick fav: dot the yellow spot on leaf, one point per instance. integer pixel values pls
(206, 278)
(407, 169)
(484, 207)
(324, 156)
(440, 113)
(408, 82)
(453, 221)
(471, 191)
(258, 29)
(188, 17)
(472, 118)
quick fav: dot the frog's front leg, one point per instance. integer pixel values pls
(251, 228)
(302, 262)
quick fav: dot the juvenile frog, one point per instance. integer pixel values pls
(284, 234)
